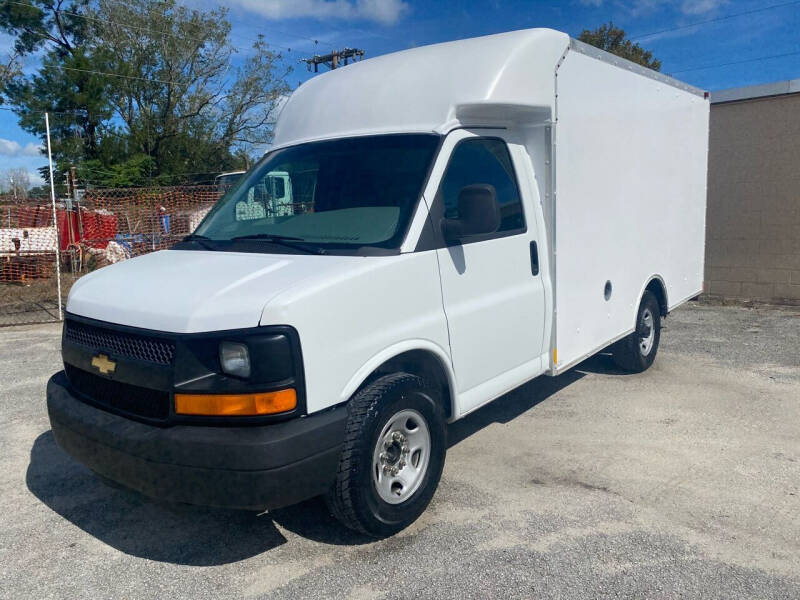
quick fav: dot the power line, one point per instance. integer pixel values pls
(145, 29)
(714, 20)
(290, 34)
(738, 62)
(78, 111)
(105, 72)
(92, 71)
(357, 30)
(139, 28)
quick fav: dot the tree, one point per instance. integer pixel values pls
(9, 68)
(141, 91)
(15, 182)
(64, 85)
(181, 102)
(613, 39)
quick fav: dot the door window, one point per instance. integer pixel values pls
(484, 161)
(280, 188)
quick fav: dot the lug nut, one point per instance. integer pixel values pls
(397, 436)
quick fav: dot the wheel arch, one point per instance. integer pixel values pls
(656, 285)
(418, 357)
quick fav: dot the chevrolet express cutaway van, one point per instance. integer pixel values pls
(465, 217)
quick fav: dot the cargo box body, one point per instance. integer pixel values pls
(630, 153)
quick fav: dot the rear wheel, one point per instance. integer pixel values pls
(392, 458)
(637, 351)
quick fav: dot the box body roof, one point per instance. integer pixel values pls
(431, 88)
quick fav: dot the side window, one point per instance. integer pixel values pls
(280, 188)
(484, 160)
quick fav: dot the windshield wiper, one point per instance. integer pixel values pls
(200, 239)
(280, 240)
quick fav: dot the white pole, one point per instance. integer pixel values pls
(55, 219)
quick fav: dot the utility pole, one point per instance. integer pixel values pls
(55, 215)
(334, 59)
(71, 183)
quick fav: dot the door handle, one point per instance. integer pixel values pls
(534, 259)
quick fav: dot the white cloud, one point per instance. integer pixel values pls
(700, 7)
(36, 178)
(8, 147)
(633, 7)
(641, 7)
(14, 148)
(644, 7)
(6, 43)
(386, 12)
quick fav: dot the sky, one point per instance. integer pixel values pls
(702, 42)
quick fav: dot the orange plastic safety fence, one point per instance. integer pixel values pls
(100, 228)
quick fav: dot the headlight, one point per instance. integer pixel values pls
(234, 359)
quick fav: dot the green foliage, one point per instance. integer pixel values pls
(612, 39)
(131, 172)
(36, 24)
(139, 91)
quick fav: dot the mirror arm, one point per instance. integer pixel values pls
(451, 229)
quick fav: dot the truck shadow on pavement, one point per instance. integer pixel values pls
(197, 536)
(527, 396)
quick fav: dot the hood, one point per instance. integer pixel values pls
(187, 291)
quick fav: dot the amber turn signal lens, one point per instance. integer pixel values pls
(267, 403)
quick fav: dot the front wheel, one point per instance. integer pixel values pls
(393, 455)
(637, 351)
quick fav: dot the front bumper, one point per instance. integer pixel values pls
(248, 467)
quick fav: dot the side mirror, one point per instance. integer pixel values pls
(478, 213)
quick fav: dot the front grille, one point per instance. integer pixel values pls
(127, 345)
(119, 397)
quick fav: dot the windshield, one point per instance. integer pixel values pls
(344, 193)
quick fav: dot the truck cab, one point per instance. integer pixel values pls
(381, 273)
(225, 181)
(271, 196)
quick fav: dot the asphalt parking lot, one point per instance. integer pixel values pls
(682, 482)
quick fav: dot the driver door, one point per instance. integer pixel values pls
(493, 295)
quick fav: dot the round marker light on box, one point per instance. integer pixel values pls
(234, 359)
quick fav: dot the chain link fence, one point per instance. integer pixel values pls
(43, 256)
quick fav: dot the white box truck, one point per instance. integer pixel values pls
(468, 216)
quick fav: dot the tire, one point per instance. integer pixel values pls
(400, 403)
(636, 352)
(111, 483)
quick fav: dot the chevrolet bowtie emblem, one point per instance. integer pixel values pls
(103, 364)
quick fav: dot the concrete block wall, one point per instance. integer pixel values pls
(753, 218)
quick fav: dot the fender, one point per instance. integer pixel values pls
(655, 277)
(395, 350)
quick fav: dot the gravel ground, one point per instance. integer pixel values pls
(680, 482)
